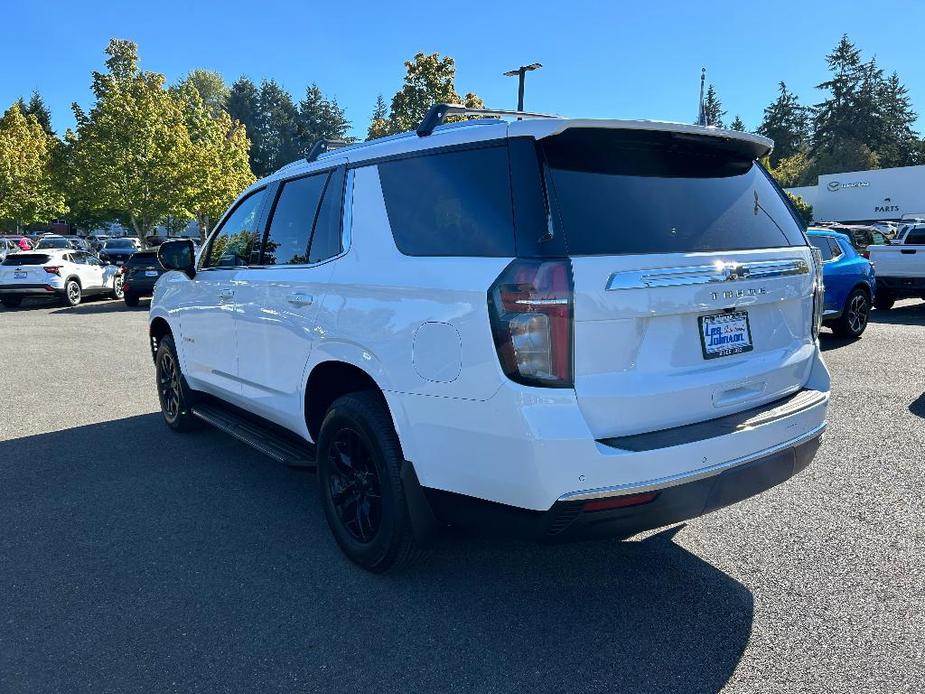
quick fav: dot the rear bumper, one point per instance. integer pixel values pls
(140, 287)
(684, 498)
(902, 286)
(30, 289)
(532, 448)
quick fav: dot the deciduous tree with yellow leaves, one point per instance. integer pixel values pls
(27, 187)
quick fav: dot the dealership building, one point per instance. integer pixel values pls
(867, 196)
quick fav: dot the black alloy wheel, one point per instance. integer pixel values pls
(854, 318)
(354, 485)
(359, 483)
(168, 386)
(172, 392)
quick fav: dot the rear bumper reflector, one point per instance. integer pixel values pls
(619, 502)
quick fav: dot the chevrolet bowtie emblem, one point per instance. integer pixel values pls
(734, 272)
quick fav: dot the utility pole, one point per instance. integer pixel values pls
(521, 74)
(702, 118)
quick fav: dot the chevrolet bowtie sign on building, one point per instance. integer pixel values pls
(866, 196)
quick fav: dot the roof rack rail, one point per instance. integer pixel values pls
(322, 147)
(438, 113)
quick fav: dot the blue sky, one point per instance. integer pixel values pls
(616, 59)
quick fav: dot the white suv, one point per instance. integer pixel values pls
(65, 273)
(564, 328)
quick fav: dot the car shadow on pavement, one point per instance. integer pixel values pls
(100, 306)
(918, 406)
(912, 314)
(829, 341)
(137, 558)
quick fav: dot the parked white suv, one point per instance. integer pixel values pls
(68, 274)
(559, 327)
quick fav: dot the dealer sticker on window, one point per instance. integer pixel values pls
(724, 334)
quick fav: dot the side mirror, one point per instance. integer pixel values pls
(178, 255)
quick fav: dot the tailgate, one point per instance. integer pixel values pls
(693, 281)
(25, 268)
(649, 344)
(898, 260)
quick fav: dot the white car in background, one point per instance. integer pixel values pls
(68, 274)
(8, 247)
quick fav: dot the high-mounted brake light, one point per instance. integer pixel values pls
(531, 310)
(53, 269)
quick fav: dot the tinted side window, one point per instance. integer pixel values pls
(326, 241)
(454, 203)
(293, 216)
(836, 248)
(822, 243)
(234, 242)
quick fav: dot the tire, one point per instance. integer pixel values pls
(130, 299)
(72, 293)
(359, 464)
(11, 301)
(118, 282)
(174, 395)
(855, 315)
(884, 301)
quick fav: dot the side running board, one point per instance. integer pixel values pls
(282, 448)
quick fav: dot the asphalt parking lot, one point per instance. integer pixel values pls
(136, 559)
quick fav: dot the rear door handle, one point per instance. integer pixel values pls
(226, 294)
(299, 299)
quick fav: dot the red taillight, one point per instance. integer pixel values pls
(619, 502)
(53, 269)
(123, 269)
(531, 320)
(866, 254)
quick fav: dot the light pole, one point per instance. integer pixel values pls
(521, 72)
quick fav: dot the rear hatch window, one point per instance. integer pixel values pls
(618, 192)
(142, 259)
(17, 259)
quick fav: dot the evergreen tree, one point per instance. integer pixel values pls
(900, 143)
(244, 107)
(787, 123)
(36, 107)
(278, 127)
(377, 122)
(713, 108)
(737, 124)
(836, 118)
(320, 119)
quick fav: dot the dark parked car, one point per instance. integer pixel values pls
(863, 236)
(139, 273)
(117, 251)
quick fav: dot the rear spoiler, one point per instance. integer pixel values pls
(747, 144)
